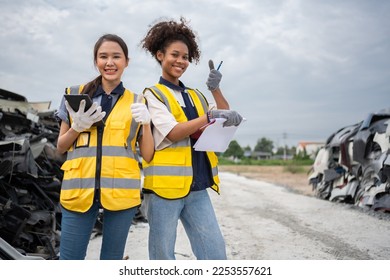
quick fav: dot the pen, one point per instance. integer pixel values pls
(219, 66)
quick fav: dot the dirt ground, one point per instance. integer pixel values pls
(277, 175)
(268, 213)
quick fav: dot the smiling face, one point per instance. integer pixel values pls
(174, 61)
(111, 61)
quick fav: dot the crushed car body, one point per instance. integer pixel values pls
(354, 165)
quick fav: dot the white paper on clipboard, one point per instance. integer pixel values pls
(215, 137)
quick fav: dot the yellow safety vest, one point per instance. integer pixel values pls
(170, 173)
(106, 161)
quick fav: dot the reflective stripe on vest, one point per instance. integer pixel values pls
(120, 174)
(170, 173)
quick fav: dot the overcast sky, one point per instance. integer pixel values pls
(297, 70)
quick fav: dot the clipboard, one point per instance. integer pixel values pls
(74, 102)
(215, 137)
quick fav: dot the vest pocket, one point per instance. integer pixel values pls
(69, 195)
(71, 183)
(83, 140)
(121, 193)
(117, 132)
(169, 182)
(169, 171)
(125, 181)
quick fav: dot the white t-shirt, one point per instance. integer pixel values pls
(163, 120)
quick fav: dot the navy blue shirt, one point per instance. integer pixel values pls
(108, 100)
(202, 177)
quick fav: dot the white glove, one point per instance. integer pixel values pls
(84, 120)
(140, 113)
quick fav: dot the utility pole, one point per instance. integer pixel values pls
(284, 147)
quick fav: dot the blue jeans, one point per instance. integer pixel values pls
(199, 221)
(76, 230)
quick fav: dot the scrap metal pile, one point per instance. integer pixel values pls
(354, 165)
(30, 177)
(30, 180)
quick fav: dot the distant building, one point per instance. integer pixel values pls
(284, 157)
(311, 148)
(247, 154)
(261, 155)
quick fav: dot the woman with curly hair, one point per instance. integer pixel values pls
(177, 179)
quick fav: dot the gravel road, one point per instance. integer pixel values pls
(261, 221)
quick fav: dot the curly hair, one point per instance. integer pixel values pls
(163, 33)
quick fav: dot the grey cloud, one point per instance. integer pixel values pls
(304, 68)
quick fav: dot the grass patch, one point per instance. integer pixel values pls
(294, 169)
(290, 164)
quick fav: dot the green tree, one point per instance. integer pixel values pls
(234, 150)
(264, 145)
(289, 150)
(280, 151)
(302, 155)
(247, 148)
(292, 150)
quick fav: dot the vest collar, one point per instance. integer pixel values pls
(181, 87)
